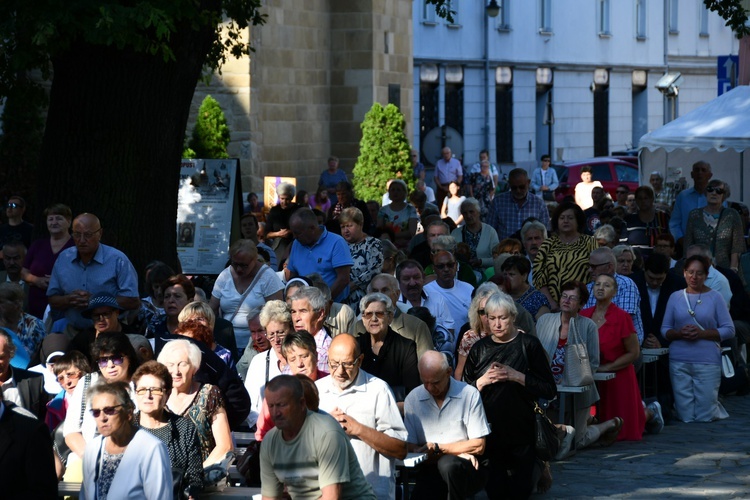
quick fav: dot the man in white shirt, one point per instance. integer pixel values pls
(456, 293)
(410, 276)
(365, 408)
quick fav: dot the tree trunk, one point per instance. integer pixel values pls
(114, 137)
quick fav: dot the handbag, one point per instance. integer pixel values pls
(546, 443)
(577, 368)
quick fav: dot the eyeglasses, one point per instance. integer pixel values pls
(239, 265)
(568, 298)
(481, 312)
(116, 360)
(621, 192)
(518, 188)
(346, 366)
(447, 265)
(717, 190)
(13, 205)
(370, 314)
(594, 266)
(107, 410)
(101, 316)
(155, 391)
(275, 335)
(87, 235)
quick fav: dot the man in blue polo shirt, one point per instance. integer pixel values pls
(315, 250)
(90, 268)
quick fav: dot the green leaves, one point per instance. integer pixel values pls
(383, 153)
(733, 13)
(211, 133)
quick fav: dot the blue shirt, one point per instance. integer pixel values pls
(323, 257)
(507, 217)
(687, 200)
(108, 271)
(329, 181)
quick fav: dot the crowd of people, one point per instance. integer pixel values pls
(346, 333)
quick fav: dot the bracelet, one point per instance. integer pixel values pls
(437, 449)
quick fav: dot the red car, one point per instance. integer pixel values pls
(611, 172)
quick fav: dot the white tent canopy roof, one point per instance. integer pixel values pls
(721, 124)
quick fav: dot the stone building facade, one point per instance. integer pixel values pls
(318, 67)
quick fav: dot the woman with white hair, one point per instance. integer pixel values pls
(203, 404)
(277, 222)
(511, 371)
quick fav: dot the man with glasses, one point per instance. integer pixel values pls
(103, 311)
(509, 210)
(88, 269)
(621, 196)
(544, 180)
(455, 293)
(603, 261)
(365, 408)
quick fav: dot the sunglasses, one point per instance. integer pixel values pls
(370, 314)
(481, 312)
(12, 205)
(107, 410)
(717, 190)
(116, 360)
(448, 265)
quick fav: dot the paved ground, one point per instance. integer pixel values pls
(684, 461)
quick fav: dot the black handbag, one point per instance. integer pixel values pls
(546, 443)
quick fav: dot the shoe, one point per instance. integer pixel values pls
(656, 424)
(567, 443)
(609, 437)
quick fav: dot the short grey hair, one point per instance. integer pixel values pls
(9, 345)
(606, 253)
(606, 232)
(444, 243)
(287, 189)
(501, 302)
(534, 224)
(470, 202)
(621, 249)
(275, 310)
(376, 297)
(314, 296)
(120, 390)
(389, 278)
(194, 354)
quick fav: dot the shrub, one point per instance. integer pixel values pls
(211, 133)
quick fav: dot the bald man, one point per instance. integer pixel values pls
(365, 408)
(88, 269)
(431, 412)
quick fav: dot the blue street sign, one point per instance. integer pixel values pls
(727, 71)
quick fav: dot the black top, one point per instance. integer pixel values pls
(510, 406)
(278, 218)
(396, 363)
(181, 439)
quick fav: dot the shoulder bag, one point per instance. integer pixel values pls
(546, 442)
(260, 272)
(577, 368)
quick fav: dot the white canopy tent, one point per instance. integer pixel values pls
(717, 132)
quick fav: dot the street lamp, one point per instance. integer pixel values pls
(493, 9)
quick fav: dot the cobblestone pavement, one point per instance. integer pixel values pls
(684, 461)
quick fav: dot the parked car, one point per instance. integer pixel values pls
(611, 172)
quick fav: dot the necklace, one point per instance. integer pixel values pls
(691, 310)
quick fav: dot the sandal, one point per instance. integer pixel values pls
(609, 437)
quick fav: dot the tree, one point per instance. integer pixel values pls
(123, 75)
(384, 153)
(733, 12)
(211, 133)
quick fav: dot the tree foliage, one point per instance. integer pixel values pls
(211, 132)
(733, 13)
(383, 152)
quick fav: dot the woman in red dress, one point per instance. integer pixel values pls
(618, 346)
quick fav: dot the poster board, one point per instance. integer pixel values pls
(207, 202)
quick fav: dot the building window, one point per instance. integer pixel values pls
(604, 28)
(502, 21)
(702, 20)
(640, 19)
(453, 7)
(504, 123)
(428, 14)
(673, 16)
(545, 16)
(454, 97)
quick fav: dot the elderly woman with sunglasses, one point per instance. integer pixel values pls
(117, 361)
(717, 227)
(153, 384)
(243, 288)
(123, 461)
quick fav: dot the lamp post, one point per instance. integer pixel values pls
(492, 9)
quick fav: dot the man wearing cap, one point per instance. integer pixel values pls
(89, 269)
(104, 311)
